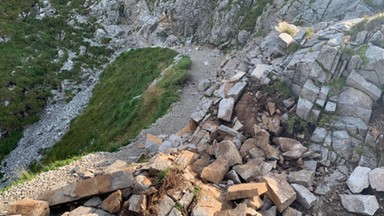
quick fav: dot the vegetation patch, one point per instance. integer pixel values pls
(126, 100)
(250, 14)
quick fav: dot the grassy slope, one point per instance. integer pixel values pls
(26, 61)
(123, 103)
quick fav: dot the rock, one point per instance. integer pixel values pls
(310, 91)
(158, 163)
(229, 131)
(285, 40)
(142, 183)
(236, 77)
(189, 128)
(203, 85)
(228, 151)
(302, 177)
(232, 175)
(237, 90)
(246, 190)
(201, 109)
(358, 180)
(29, 207)
(330, 107)
(93, 202)
(187, 199)
(377, 39)
(292, 148)
(357, 81)
(280, 191)
(319, 135)
(86, 211)
(322, 190)
(376, 177)
(207, 203)
(271, 108)
(360, 37)
(260, 70)
(152, 143)
(292, 212)
(164, 206)
(216, 171)
(89, 187)
(360, 204)
(254, 202)
(304, 196)
(241, 209)
(303, 108)
(355, 102)
(326, 57)
(270, 212)
(112, 203)
(310, 165)
(251, 170)
(186, 158)
(226, 109)
(137, 203)
(288, 103)
(342, 144)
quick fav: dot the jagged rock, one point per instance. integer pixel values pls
(201, 109)
(237, 90)
(262, 142)
(285, 40)
(112, 203)
(229, 131)
(304, 196)
(251, 170)
(164, 206)
(292, 148)
(228, 151)
(260, 70)
(86, 211)
(89, 187)
(270, 212)
(310, 91)
(216, 171)
(358, 180)
(376, 177)
(292, 212)
(310, 165)
(207, 203)
(360, 204)
(357, 81)
(186, 158)
(93, 202)
(203, 85)
(137, 203)
(342, 144)
(158, 163)
(303, 177)
(142, 183)
(29, 207)
(322, 190)
(241, 209)
(327, 56)
(377, 39)
(319, 135)
(226, 109)
(360, 37)
(280, 191)
(303, 108)
(246, 190)
(232, 175)
(187, 199)
(175, 212)
(152, 143)
(330, 107)
(254, 202)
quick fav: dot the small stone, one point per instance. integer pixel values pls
(292, 148)
(29, 207)
(303, 177)
(226, 109)
(271, 108)
(227, 130)
(288, 103)
(216, 171)
(310, 91)
(186, 158)
(187, 199)
(254, 202)
(137, 203)
(280, 191)
(165, 206)
(112, 203)
(245, 190)
(304, 196)
(260, 70)
(292, 212)
(201, 109)
(376, 177)
(207, 203)
(232, 175)
(330, 107)
(270, 212)
(203, 85)
(319, 135)
(358, 180)
(93, 202)
(251, 170)
(360, 204)
(175, 212)
(241, 209)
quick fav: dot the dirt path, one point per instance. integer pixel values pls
(204, 66)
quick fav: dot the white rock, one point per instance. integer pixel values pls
(360, 204)
(226, 109)
(376, 178)
(304, 196)
(358, 180)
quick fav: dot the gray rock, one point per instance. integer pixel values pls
(302, 177)
(327, 56)
(288, 103)
(362, 127)
(376, 177)
(323, 190)
(309, 91)
(330, 107)
(201, 109)
(175, 212)
(137, 203)
(237, 90)
(165, 206)
(319, 135)
(342, 144)
(292, 212)
(360, 38)
(360, 204)
(324, 92)
(356, 103)
(227, 130)
(285, 40)
(354, 63)
(93, 202)
(225, 109)
(304, 196)
(310, 165)
(203, 85)
(303, 108)
(228, 151)
(320, 102)
(270, 212)
(243, 36)
(357, 81)
(377, 39)
(358, 180)
(260, 70)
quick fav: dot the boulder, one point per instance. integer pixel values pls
(310, 91)
(319, 135)
(237, 90)
(292, 148)
(304, 196)
(356, 103)
(342, 144)
(158, 163)
(226, 109)
(228, 151)
(302, 177)
(29, 207)
(216, 171)
(376, 177)
(164, 206)
(327, 57)
(280, 191)
(246, 190)
(251, 170)
(360, 204)
(358, 180)
(357, 81)
(260, 70)
(89, 187)
(304, 107)
(112, 203)
(152, 143)
(137, 203)
(186, 158)
(207, 203)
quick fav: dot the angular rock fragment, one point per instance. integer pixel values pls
(376, 178)
(216, 171)
(237, 90)
(228, 151)
(112, 203)
(245, 190)
(360, 204)
(303, 177)
(137, 203)
(304, 196)
(358, 180)
(280, 191)
(226, 109)
(29, 207)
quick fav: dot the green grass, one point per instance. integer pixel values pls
(336, 85)
(250, 14)
(123, 103)
(26, 60)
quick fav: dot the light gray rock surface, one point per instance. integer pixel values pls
(358, 180)
(360, 204)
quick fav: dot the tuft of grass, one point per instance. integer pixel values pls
(361, 51)
(161, 176)
(336, 85)
(196, 191)
(309, 33)
(125, 101)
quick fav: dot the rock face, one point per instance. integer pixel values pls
(29, 207)
(360, 204)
